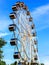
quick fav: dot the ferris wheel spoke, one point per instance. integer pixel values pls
(23, 48)
(26, 22)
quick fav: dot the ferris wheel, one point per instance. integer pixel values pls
(24, 34)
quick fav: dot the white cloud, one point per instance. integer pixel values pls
(4, 25)
(4, 28)
(3, 34)
(41, 17)
(8, 61)
(45, 60)
(41, 10)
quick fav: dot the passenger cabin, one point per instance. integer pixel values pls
(12, 27)
(25, 7)
(34, 33)
(12, 15)
(35, 41)
(32, 26)
(30, 19)
(21, 4)
(23, 63)
(34, 63)
(36, 58)
(14, 8)
(19, 63)
(35, 50)
(28, 13)
(16, 55)
(17, 4)
(13, 41)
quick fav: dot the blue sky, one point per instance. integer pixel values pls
(39, 10)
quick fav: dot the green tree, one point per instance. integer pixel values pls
(12, 64)
(42, 63)
(2, 43)
(1, 56)
(2, 63)
(15, 63)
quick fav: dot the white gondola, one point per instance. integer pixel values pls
(21, 4)
(32, 26)
(35, 50)
(25, 7)
(30, 19)
(12, 27)
(34, 34)
(23, 63)
(34, 64)
(14, 8)
(12, 15)
(16, 55)
(35, 57)
(13, 41)
(17, 4)
(35, 42)
(28, 13)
